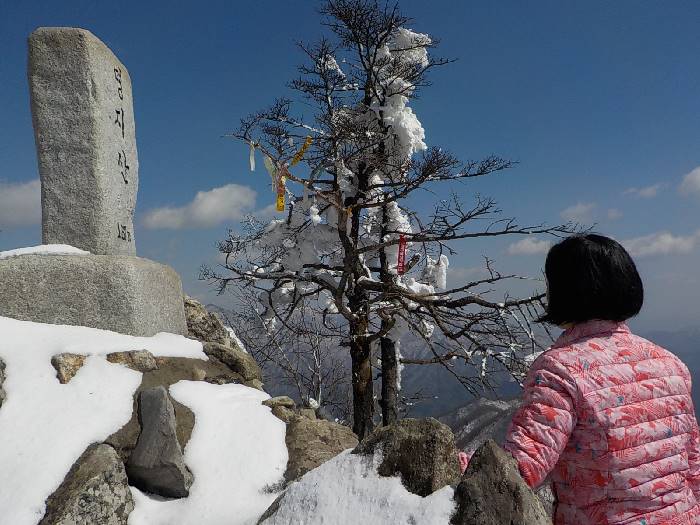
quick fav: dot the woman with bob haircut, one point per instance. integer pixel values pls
(606, 414)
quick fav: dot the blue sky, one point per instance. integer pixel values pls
(598, 101)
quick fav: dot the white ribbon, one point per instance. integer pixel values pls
(251, 157)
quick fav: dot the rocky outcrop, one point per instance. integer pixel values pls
(95, 490)
(208, 328)
(168, 370)
(311, 442)
(421, 451)
(492, 492)
(205, 326)
(156, 465)
(235, 359)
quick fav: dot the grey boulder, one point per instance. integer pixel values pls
(157, 465)
(421, 451)
(492, 492)
(129, 295)
(94, 491)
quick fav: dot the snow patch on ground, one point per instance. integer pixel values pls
(44, 249)
(44, 425)
(237, 449)
(347, 490)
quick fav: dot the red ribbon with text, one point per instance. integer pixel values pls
(401, 263)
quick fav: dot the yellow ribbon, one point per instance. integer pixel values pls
(300, 154)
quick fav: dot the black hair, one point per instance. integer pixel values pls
(591, 277)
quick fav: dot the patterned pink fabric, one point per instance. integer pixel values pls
(609, 417)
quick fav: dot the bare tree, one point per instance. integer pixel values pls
(303, 354)
(350, 250)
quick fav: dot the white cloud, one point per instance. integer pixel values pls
(20, 204)
(691, 183)
(647, 192)
(581, 212)
(207, 209)
(529, 246)
(661, 243)
(614, 214)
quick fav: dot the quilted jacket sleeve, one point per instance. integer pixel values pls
(542, 425)
(693, 444)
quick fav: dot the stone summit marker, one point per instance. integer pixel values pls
(86, 141)
(86, 146)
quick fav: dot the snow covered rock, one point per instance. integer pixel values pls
(421, 451)
(237, 360)
(311, 442)
(67, 365)
(205, 326)
(44, 249)
(492, 492)
(156, 465)
(95, 490)
(347, 490)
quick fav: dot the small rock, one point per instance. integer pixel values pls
(95, 490)
(198, 374)
(156, 465)
(421, 451)
(205, 326)
(67, 365)
(140, 360)
(237, 360)
(283, 401)
(308, 413)
(313, 442)
(283, 413)
(492, 492)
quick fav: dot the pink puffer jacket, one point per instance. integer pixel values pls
(609, 417)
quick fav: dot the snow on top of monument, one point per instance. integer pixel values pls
(348, 490)
(45, 425)
(44, 249)
(237, 447)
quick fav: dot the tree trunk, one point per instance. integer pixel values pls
(362, 388)
(390, 387)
